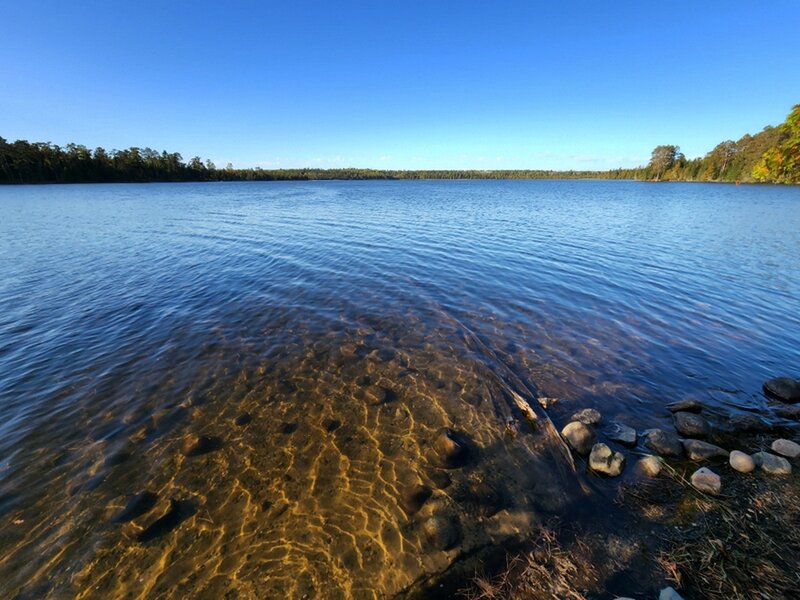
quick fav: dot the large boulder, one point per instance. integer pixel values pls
(691, 425)
(774, 465)
(705, 480)
(784, 389)
(606, 461)
(579, 436)
(663, 443)
(697, 450)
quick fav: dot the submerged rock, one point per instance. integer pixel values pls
(441, 532)
(243, 419)
(587, 416)
(741, 462)
(705, 480)
(788, 412)
(697, 450)
(603, 460)
(178, 511)
(621, 433)
(784, 389)
(689, 405)
(137, 506)
(650, 466)
(691, 425)
(579, 436)
(195, 445)
(663, 443)
(481, 498)
(774, 465)
(451, 449)
(412, 498)
(440, 479)
(375, 395)
(786, 448)
(748, 423)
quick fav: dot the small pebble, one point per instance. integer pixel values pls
(587, 416)
(621, 433)
(705, 480)
(774, 465)
(741, 462)
(691, 425)
(697, 450)
(786, 448)
(689, 405)
(606, 461)
(579, 436)
(649, 465)
(663, 443)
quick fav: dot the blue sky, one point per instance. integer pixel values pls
(561, 85)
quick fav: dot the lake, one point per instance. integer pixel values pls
(313, 389)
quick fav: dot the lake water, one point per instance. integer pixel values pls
(322, 336)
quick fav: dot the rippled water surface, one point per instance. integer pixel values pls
(241, 390)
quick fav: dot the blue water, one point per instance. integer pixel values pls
(131, 314)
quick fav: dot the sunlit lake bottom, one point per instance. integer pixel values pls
(318, 389)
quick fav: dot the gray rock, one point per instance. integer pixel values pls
(669, 593)
(691, 425)
(788, 412)
(742, 462)
(774, 465)
(748, 423)
(688, 405)
(650, 466)
(697, 450)
(784, 389)
(786, 448)
(579, 436)
(706, 481)
(587, 416)
(442, 532)
(621, 433)
(606, 461)
(663, 443)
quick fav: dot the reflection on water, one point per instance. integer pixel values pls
(289, 389)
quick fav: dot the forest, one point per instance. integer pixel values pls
(770, 156)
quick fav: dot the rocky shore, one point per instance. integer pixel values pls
(712, 509)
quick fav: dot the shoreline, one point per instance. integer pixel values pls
(671, 521)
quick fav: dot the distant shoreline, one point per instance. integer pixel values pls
(770, 156)
(398, 179)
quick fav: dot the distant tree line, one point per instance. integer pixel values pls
(773, 156)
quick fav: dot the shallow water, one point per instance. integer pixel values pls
(346, 325)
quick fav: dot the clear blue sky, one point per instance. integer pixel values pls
(398, 84)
